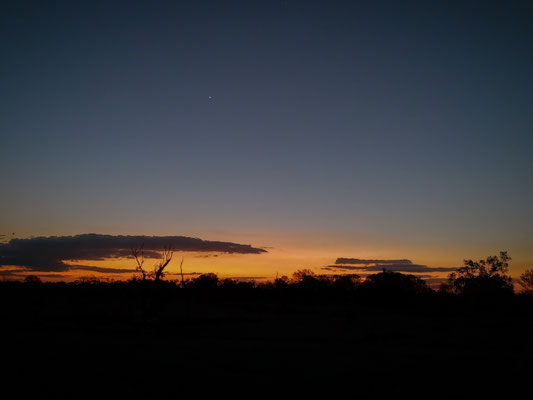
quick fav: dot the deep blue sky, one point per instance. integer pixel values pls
(351, 124)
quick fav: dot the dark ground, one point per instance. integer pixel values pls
(61, 339)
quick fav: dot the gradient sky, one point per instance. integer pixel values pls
(315, 129)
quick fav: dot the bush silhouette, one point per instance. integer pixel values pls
(32, 279)
(389, 285)
(204, 282)
(346, 283)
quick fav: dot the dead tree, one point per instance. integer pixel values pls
(181, 272)
(157, 274)
(138, 253)
(165, 259)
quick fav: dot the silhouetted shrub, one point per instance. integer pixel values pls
(236, 290)
(345, 283)
(313, 284)
(281, 283)
(204, 282)
(32, 280)
(389, 285)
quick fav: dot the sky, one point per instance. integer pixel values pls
(315, 130)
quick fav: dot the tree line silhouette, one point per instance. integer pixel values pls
(483, 278)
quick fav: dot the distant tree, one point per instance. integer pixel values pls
(88, 280)
(32, 279)
(309, 284)
(236, 289)
(301, 274)
(346, 282)
(227, 283)
(207, 281)
(487, 276)
(526, 281)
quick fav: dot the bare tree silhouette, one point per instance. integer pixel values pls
(181, 272)
(158, 272)
(138, 254)
(301, 274)
(165, 259)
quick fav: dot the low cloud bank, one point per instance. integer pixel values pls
(369, 262)
(48, 254)
(370, 265)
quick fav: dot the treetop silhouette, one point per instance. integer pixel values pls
(483, 277)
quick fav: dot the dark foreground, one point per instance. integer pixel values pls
(61, 339)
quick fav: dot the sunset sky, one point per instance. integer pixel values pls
(314, 130)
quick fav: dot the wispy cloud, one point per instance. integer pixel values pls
(50, 253)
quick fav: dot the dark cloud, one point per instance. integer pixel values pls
(184, 274)
(410, 268)
(12, 272)
(205, 255)
(22, 273)
(248, 278)
(369, 262)
(102, 270)
(50, 253)
(370, 265)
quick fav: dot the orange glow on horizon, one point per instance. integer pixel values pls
(280, 260)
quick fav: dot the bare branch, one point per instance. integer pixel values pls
(138, 253)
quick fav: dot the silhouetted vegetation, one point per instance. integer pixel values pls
(318, 326)
(158, 272)
(526, 281)
(484, 277)
(393, 286)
